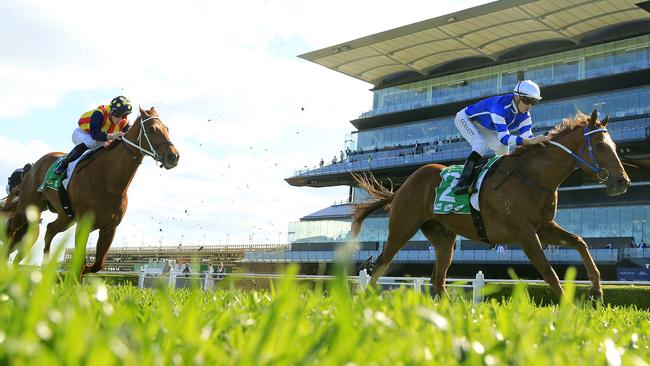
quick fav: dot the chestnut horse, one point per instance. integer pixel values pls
(98, 187)
(518, 202)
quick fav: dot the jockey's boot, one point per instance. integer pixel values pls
(467, 175)
(72, 156)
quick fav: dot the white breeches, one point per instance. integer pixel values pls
(79, 136)
(478, 136)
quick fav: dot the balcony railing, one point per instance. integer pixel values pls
(605, 256)
(624, 131)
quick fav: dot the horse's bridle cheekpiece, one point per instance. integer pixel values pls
(152, 149)
(596, 168)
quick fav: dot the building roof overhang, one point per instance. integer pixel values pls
(480, 36)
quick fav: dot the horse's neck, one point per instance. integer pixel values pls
(548, 166)
(119, 164)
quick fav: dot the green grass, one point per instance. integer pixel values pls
(45, 320)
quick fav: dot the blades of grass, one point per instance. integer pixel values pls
(569, 288)
(25, 246)
(84, 226)
(519, 288)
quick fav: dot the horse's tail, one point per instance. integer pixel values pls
(9, 204)
(382, 198)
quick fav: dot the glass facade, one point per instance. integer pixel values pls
(588, 222)
(585, 63)
(621, 103)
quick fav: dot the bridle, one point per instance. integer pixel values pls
(152, 149)
(595, 167)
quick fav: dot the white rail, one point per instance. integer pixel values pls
(207, 281)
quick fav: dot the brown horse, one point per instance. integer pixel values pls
(518, 203)
(98, 187)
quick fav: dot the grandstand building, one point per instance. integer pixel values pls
(132, 259)
(585, 55)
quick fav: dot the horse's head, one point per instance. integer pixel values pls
(150, 135)
(599, 151)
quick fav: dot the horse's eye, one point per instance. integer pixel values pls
(151, 129)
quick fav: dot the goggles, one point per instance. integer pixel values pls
(529, 101)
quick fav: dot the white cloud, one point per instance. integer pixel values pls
(242, 109)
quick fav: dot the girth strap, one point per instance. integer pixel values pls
(477, 220)
(65, 202)
(478, 225)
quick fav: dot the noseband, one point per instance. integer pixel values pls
(152, 149)
(595, 167)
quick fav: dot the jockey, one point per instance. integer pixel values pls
(488, 122)
(17, 177)
(97, 128)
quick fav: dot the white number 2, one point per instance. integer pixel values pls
(444, 196)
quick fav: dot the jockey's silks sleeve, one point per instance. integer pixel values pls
(500, 114)
(96, 123)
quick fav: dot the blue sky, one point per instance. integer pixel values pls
(242, 109)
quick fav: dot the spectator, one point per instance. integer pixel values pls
(321, 162)
(632, 244)
(609, 246)
(643, 244)
(368, 265)
(334, 160)
(187, 270)
(220, 271)
(347, 151)
(369, 158)
(500, 250)
(342, 156)
(168, 267)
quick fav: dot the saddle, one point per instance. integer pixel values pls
(447, 201)
(59, 183)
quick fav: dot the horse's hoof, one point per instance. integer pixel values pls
(596, 295)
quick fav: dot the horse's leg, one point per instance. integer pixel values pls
(533, 249)
(555, 234)
(16, 233)
(103, 243)
(16, 229)
(443, 242)
(62, 223)
(397, 237)
(20, 226)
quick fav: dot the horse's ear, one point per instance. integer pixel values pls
(593, 118)
(604, 122)
(142, 112)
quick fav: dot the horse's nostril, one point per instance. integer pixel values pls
(172, 159)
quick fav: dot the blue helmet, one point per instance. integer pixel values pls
(121, 106)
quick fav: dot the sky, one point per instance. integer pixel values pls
(243, 110)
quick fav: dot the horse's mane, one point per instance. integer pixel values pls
(558, 131)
